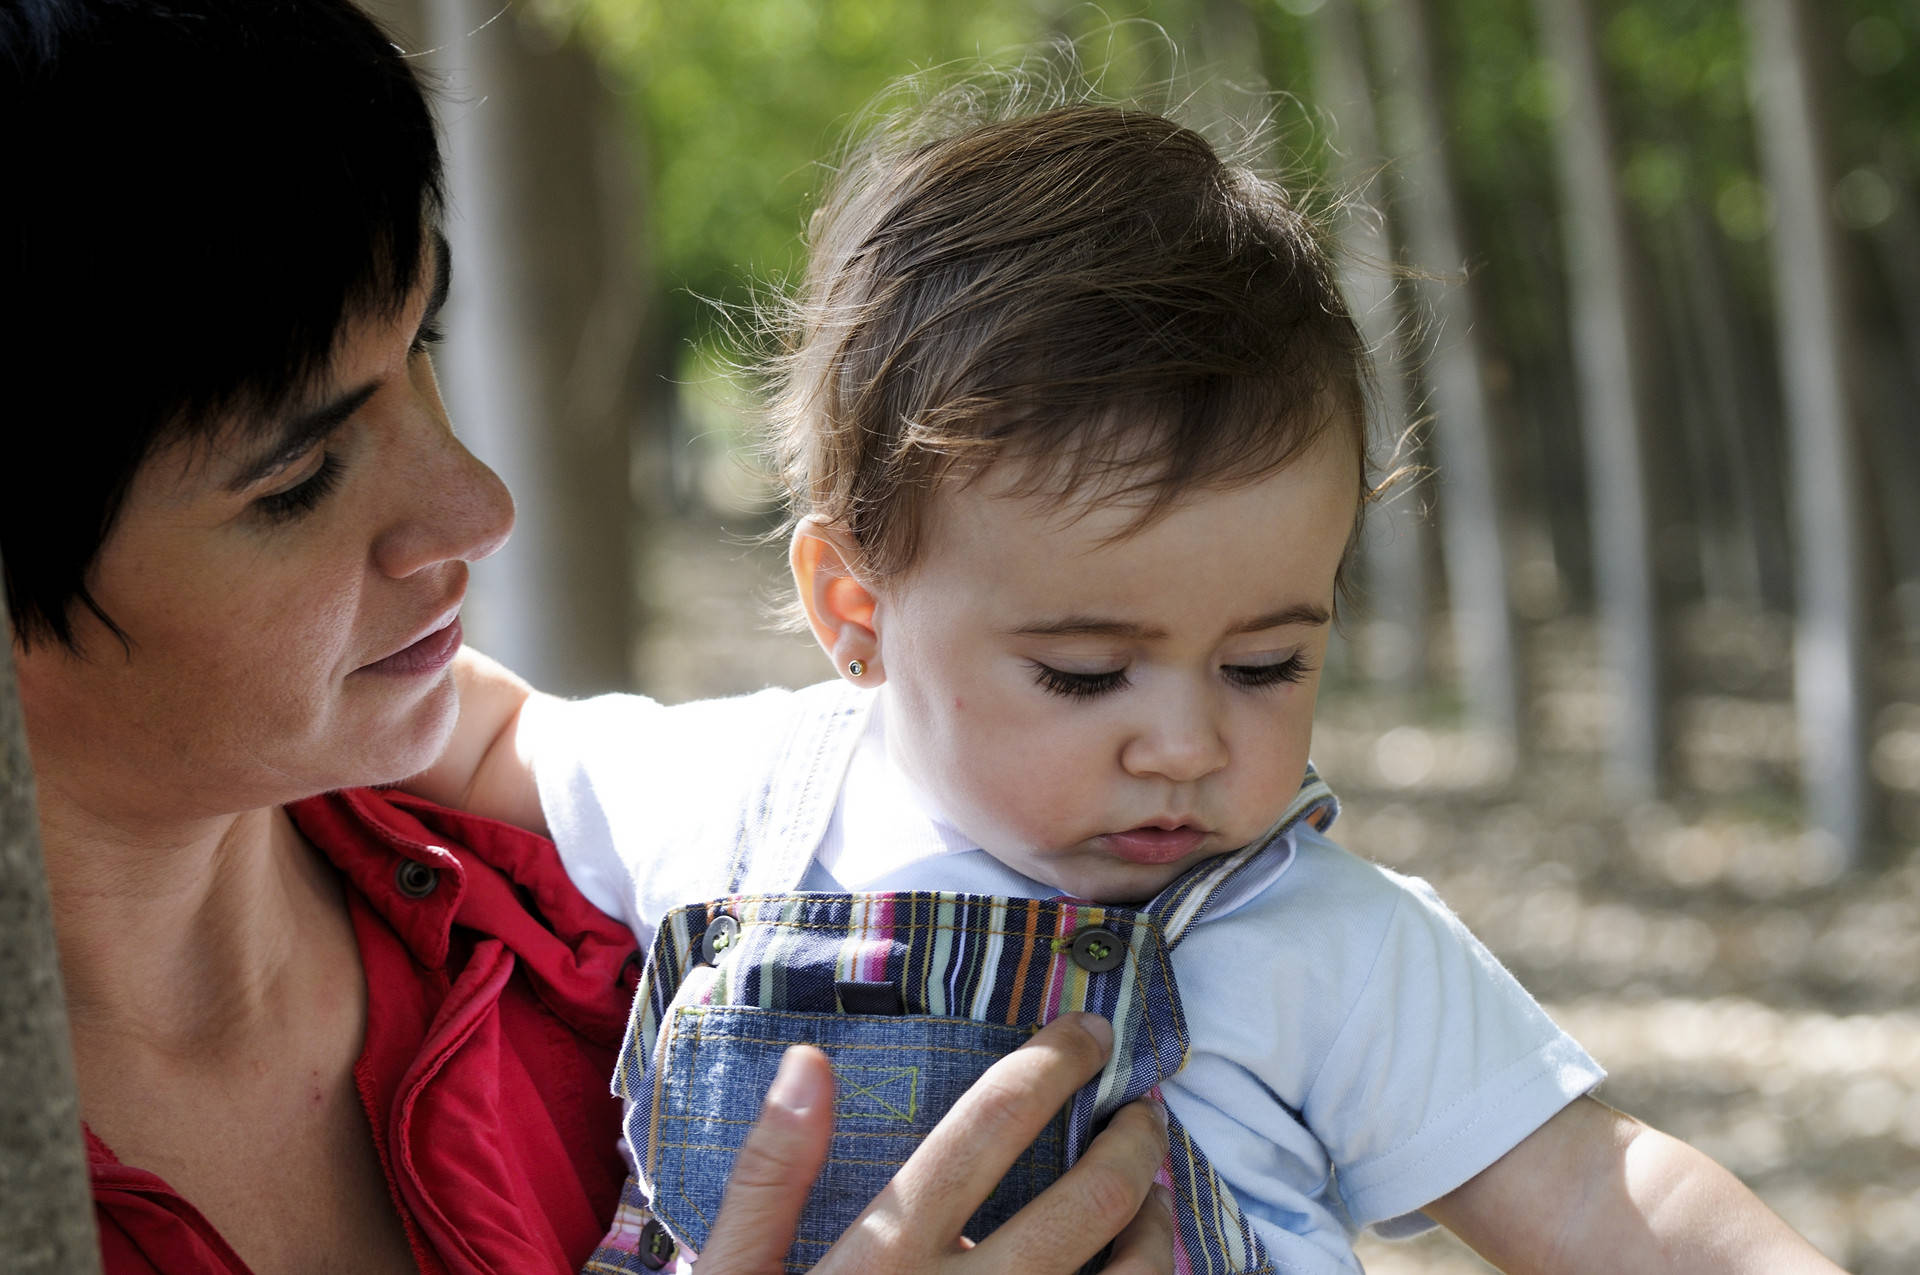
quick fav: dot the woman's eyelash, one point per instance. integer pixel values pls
(1077, 685)
(1291, 669)
(304, 496)
(429, 335)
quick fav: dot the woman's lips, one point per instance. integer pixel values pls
(1154, 845)
(429, 655)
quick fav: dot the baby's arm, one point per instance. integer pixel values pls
(1595, 1190)
(482, 769)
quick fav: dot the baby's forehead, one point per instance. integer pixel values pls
(1216, 562)
(1037, 506)
(1117, 491)
(1009, 522)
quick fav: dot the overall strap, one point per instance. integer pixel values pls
(1181, 905)
(784, 822)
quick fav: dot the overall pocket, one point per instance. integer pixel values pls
(894, 1077)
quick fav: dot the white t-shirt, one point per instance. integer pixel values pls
(1356, 1052)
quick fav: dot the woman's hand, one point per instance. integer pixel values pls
(914, 1225)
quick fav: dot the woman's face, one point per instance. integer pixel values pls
(289, 596)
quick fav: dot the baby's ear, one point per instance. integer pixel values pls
(839, 605)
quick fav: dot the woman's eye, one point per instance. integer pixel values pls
(303, 496)
(1077, 685)
(1255, 676)
(429, 335)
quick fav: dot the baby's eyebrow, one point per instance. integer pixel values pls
(1300, 613)
(1091, 626)
(1303, 613)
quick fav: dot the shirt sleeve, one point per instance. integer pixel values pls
(1441, 1065)
(1357, 1052)
(591, 759)
(645, 800)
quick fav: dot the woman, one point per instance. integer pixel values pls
(345, 1032)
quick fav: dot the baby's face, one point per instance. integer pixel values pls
(1102, 709)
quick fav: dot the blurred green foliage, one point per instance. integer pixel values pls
(737, 106)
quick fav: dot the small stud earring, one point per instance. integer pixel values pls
(855, 668)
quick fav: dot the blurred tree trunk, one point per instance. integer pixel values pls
(1897, 246)
(1738, 418)
(1819, 376)
(1228, 43)
(46, 1206)
(1471, 496)
(1896, 243)
(546, 317)
(1393, 549)
(1610, 318)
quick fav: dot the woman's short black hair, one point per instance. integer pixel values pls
(198, 196)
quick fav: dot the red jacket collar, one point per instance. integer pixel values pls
(487, 875)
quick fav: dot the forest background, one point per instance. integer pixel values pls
(1634, 676)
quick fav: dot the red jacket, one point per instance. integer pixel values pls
(497, 999)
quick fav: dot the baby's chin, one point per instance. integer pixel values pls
(1104, 879)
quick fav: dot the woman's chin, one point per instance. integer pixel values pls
(410, 736)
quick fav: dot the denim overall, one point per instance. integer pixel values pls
(913, 996)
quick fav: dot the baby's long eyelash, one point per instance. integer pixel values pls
(303, 497)
(1256, 676)
(1077, 685)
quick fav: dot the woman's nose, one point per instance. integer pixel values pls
(452, 507)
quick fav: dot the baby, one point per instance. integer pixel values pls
(1073, 429)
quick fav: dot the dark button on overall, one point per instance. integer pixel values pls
(656, 1246)
(415, 879)
(1096, 949)
(721, 932)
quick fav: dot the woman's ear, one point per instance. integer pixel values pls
(840, 608)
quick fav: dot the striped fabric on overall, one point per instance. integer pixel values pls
(913, 995)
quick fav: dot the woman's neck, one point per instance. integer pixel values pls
(182, 936)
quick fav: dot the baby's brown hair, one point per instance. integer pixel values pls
(1090, 290)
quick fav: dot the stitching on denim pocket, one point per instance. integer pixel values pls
(891, 1093)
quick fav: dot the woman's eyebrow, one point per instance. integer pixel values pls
(299, 433)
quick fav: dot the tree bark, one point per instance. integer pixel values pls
(1610, 318)
(1819, 376)
(46, 1205)
(1472, 522)
(1393, 547)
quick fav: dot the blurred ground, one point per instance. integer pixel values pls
(1742, 995)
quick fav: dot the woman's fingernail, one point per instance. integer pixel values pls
(1098, 1028)
(797, 1086)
